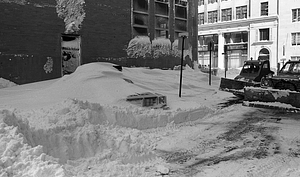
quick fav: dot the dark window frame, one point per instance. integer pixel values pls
(264, 34)
(295, 40)
(201, 18)
(264, 9)
(212, 1)
(241, 12)
(296, 15)
(226, 14)
(212, 16)
(200, 2)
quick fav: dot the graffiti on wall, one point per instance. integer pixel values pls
(70, 52)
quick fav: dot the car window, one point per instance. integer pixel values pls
(296, 68)
(250, 68)
(286, 68)
(265, 66)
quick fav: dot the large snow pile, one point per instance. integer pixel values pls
(6, 83)
(17, 157)
(81, 125)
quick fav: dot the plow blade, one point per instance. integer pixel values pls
(267, 105)
(235, 86)
(272, 97)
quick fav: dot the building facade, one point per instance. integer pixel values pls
(31, 32)
(167, 19)
(289, 30)
(247, 29)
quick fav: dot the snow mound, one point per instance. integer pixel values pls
(94, 81)
(37, 142)
(6, 83)
(76, 129)
(19, 158)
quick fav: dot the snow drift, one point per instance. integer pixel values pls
(82, 125)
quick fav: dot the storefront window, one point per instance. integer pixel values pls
(204, 40)
(203, 49)
(238, 37)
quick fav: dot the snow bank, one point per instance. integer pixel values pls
(19, 158)
(75, 130)
(81, 125)
(6, 83)
(36, 142)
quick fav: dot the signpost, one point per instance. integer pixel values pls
(182, 45)
(210, 48)
(225, 59)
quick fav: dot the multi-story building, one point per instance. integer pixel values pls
(245, 29)
(31, 33)
(289, 30)
(166, 18)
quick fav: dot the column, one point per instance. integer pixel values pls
(172, 21)
(221, 55)
(151, 18)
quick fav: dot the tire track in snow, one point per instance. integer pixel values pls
(230, 146)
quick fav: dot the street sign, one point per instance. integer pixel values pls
(186, 34)
(186, 43)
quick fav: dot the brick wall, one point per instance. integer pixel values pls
(106, 30)
(30, 34)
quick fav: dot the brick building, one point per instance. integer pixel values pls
(30, 32)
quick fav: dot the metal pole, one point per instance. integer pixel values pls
(210, 48)
(226, 62)
(182, 48)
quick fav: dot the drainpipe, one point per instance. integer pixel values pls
(249, 9)
(277, 54)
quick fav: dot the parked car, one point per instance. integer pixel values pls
(288, 78)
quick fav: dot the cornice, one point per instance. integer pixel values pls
(237, 23)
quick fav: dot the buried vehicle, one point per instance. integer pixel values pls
(251, 74)
(283, 88)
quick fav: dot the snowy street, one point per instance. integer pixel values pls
(81, 125)
(247, 142)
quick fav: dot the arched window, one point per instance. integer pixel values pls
(264, 54)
